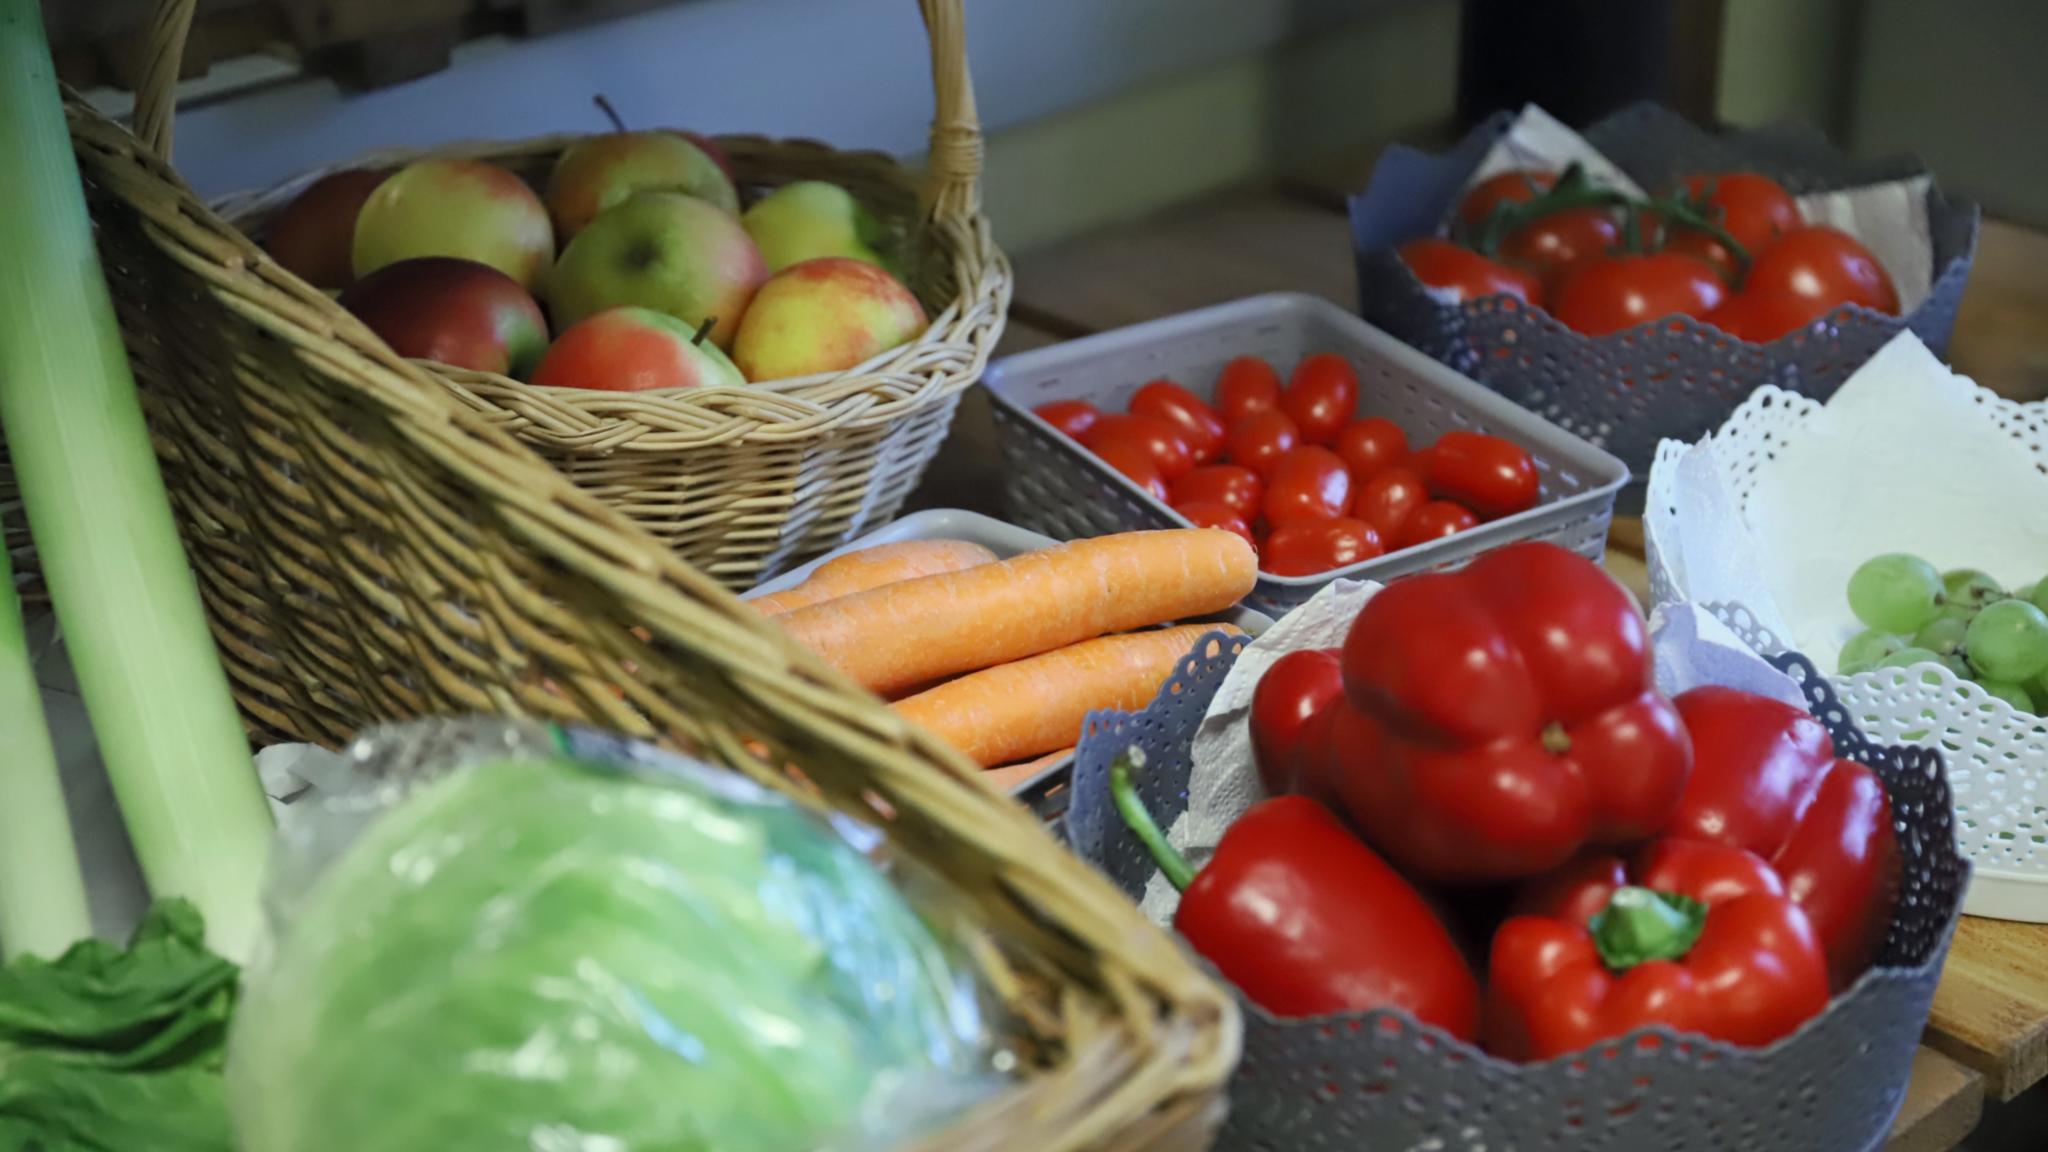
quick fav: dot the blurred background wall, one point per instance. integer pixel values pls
(1099, 111)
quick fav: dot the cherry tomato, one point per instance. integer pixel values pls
(1155, 436)
(1558, 243)
(1752, 208)
(1702, 246)
(1072, 417)
(1370, 445)
(1321, 396)
(1434, 521)
(1234, 486)
(1307, 547)
(1624, 291)
(1824, 264)
(1308, 483)
(1198, 424)
(1491, 476)
(1517, 186)
(1461, 274)
(1388, 499)
(1209, 514)
(1131, 458)
(1259, 440)
(1761, 317)
(1247, 387)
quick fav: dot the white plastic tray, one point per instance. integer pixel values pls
(1005, 540)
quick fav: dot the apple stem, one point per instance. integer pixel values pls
(610, 113)
(704, 330)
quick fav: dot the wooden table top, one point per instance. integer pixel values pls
(1988, 1033)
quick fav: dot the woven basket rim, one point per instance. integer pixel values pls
(883, 388)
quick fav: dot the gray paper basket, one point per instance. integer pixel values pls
(1675, 379)
(1045, 793)
(1057, 487)
(1367, 1080)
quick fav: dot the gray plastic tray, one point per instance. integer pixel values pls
(1677, 379)
(1057, 487)
(1363, 1080)
(1044, 792)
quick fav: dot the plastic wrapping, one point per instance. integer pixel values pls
(506, 935)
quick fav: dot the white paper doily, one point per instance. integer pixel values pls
(1761, 522)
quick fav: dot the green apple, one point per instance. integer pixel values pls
(661, 250)
(604, 171)
(462, 208)
(634, 350)
(824, 315)
(809, 219)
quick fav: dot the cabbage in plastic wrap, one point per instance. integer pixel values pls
(540, 952)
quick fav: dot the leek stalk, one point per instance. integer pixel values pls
(42, 892)
(125, 598)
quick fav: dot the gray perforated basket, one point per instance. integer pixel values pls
(1370, 1080)
(1677, 379)
(1055, 486)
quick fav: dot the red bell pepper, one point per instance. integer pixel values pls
(1306, 920)
(1289, 711)
(1510, 718)
(1725, 954)
(1765, 779)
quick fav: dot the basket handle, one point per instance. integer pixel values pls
(954, 190)
(156, 97)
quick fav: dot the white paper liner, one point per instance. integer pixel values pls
(1889, 218)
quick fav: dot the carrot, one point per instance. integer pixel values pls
(916, 631)
(1037, 704)
(874, 567)
(1012, 776)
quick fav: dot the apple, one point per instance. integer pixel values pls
(824, 315)
(634, 350)
(601, 172)
(661, 250)
(312, 236)
(809, 219)
(718, 155)
(451, 311)
(462, 208)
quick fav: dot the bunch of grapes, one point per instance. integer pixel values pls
(1962, 619)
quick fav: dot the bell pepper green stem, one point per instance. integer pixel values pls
(1639, 925)
(1124, 790)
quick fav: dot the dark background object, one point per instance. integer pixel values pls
(1582, 59)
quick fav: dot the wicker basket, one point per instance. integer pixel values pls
(369, 549)
(743, 482)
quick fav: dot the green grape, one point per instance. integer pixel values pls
(2025, 592)
(1942, 635)
(2037, 595)
(1959, 666)
(2009, 692)
(1967, 587)
(2009, 641)
(1895, 592)
(1865, 649)
(1908, 657)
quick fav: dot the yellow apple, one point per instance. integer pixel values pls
(809, 219)
(462, 208)
(824, 315)
(604, 171)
